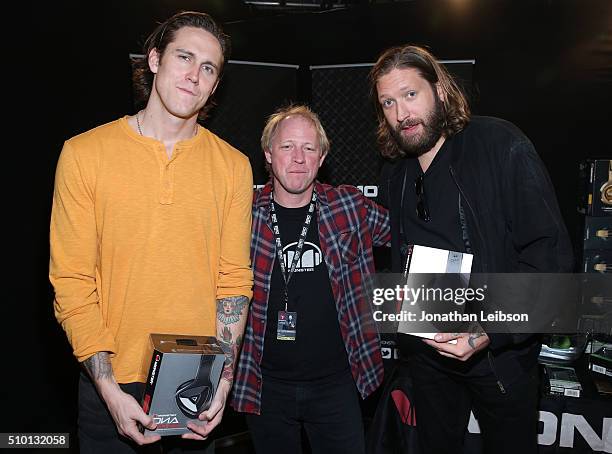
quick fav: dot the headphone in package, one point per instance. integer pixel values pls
(606, 188)
(194, 396)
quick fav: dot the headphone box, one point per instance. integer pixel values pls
(597, 232)
(596, 193)
(597, 261)
(184, 373)
(424, 265)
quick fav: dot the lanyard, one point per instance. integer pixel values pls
(298, 248)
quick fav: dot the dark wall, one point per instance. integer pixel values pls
(545, 65)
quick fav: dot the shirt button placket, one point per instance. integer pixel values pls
(166, 189)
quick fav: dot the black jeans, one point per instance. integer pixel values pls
(443, 400)
(328, 410)
(98, 433)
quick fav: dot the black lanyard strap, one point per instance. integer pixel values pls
(300, 244)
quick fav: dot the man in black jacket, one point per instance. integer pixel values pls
(475, 185)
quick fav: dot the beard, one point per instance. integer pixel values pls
(418, 144)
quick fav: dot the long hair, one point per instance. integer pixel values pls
(455, 108)
(164, 34)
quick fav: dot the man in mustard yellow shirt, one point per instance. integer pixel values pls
(150, 233)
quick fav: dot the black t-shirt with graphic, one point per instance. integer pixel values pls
(318, 350)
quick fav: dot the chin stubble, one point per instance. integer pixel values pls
(433, 126)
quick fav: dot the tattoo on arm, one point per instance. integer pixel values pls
(231, 350)
(230, 308)
(472, 339)
(476, 331)
(99, 366)
(230, 313)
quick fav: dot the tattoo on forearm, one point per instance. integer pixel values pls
(230, 308)
(231, 349)
(99, 366)
(229, 311)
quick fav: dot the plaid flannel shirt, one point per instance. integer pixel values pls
(349, 225)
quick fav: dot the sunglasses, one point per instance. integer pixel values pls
(421, 206)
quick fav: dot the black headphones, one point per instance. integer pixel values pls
(194, 396)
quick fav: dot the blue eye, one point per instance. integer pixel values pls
(411, 94)
(387, 103)
(208, 69)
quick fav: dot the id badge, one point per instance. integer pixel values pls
(287, 325)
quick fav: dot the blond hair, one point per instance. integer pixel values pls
(283, 113)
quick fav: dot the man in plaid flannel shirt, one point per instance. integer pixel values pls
(309, 374)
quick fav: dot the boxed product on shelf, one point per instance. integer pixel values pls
(600, 361)
(562, 380)
(596, 195)
(597, 261)
(597, 232)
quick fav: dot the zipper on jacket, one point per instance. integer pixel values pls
(500, 385)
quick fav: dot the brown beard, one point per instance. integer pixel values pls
(433, 125)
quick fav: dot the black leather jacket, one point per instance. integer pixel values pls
(511, 216)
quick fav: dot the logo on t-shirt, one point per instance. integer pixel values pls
(311, 257)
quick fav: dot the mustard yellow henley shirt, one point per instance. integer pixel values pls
(142, 243)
